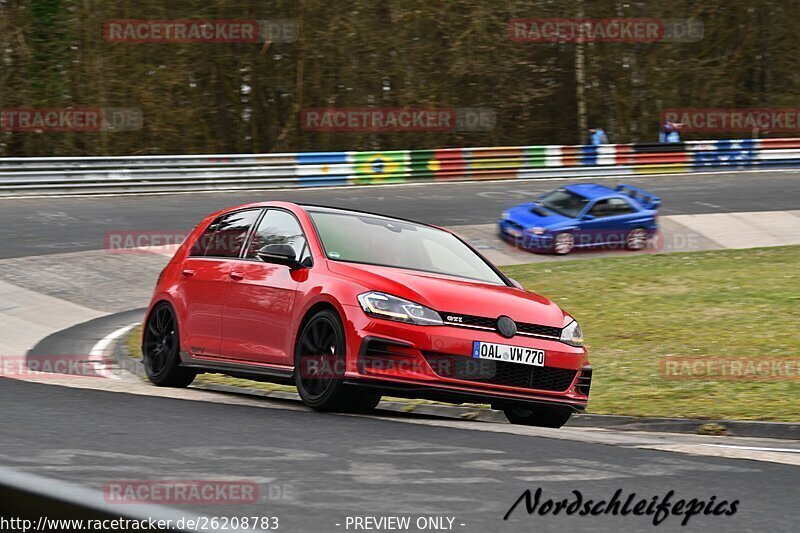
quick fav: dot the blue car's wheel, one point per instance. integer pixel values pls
(563, 243)
(636, 239)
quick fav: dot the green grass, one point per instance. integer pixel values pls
(636, 310)
(134, 342)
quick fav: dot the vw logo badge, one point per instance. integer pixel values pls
(506, 327)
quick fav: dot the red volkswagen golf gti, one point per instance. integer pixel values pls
(349, 306)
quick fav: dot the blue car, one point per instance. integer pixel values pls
(583, 216)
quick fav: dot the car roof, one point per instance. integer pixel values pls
(329, 209)
(591, 190)
(323, 208)
(356, 212)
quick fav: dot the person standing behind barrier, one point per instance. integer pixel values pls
(669, 133)
(597, 136)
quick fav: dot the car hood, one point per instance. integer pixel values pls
(454, 295)
(531, 215)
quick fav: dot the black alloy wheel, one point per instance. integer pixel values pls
(161, 349)
(320, 359)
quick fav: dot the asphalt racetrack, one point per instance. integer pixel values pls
(56, 225)
(315, 470)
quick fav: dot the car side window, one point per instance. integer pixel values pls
(201, 244)
(226, 235)
(619, 206)
(279, 227)
(599, 209)
(610, 207)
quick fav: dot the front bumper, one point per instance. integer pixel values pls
(521, 238)
(435, 362)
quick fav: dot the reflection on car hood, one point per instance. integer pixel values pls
(454, 295)
(532, 215)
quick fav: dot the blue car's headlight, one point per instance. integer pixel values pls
(505, 216)
(538, 231)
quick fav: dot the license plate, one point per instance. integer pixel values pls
(504, 352)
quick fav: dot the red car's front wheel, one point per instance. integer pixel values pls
(320, 366)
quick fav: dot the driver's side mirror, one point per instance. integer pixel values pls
(281, 254)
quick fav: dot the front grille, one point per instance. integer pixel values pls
(523, 328)
(537, 329)
(500, 372)
(469, 320)
(514, 225)
(584, 382)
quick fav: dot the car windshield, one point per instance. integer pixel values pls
(375, 240)
(564, 202)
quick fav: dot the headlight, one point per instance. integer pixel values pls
(538, 231)
(505, 215)
(382, 305)
(572, 334)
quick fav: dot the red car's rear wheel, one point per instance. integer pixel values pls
(161, 347)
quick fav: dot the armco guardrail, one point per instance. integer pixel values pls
(82, 175)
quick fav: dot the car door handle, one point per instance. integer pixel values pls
(188, 273)
(236, 275)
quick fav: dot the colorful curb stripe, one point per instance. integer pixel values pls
(513, 162)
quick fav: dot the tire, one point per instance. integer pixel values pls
(636, 239)
(545, 417)
(320, 359)
(563, 243)
(161, 349)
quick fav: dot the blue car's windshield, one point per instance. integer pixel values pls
(564, 202)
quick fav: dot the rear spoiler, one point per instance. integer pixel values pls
(648, 201)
